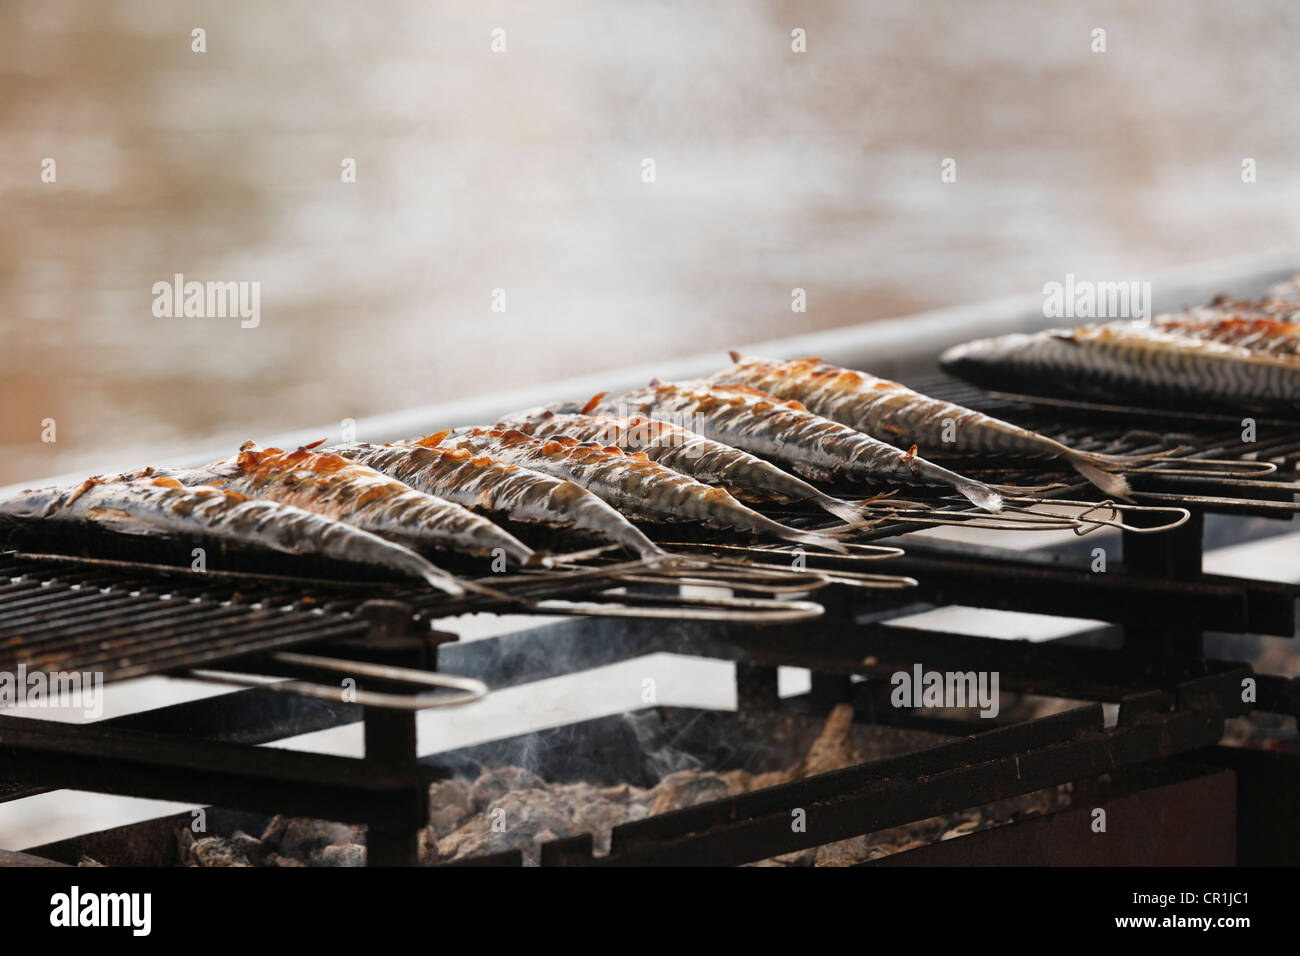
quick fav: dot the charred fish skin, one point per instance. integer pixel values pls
(1127, 360)
(522, 494)
(1256, 334)
(1281, 304)
(634, 485)
(164, 507)
(357, 494)
(786, 432)
(746, 476)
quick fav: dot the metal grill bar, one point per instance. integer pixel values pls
(67, 618)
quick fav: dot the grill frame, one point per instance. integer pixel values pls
(1172, 703)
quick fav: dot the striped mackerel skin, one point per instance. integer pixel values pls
(786, 432)
(1125, 361)
(521, 494)
(352, 492)
(163, 507)
(680, 449)
(886, 409)
(636, 486)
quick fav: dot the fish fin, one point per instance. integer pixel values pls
(434, 440)
(851, 513)
(592, 403)
(974, 491)
(816, 539)
(980, 494)
(1112, 483)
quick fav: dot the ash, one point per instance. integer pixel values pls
(511, 808)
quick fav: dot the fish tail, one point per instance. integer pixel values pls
(667, 560)
(980, 494)
(743, 518)
(855, 514)
(974, 491)
(444, 582)
(1105, 471)
(850, 512)
(453, 586)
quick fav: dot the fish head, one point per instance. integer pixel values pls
(984, 361)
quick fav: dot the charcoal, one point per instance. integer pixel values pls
(449, 805)
(834, 748)
(686, 788)
(340, 854)
(298, 837)
(237, 850)
(495, 784)
(528, 812)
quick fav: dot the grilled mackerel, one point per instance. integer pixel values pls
(520, 494)
(746, 476)
(1126, 360)
(788, 433)
(344, 490)
(1256, 334)
(637, 487)
(164, 507)
(904, 417)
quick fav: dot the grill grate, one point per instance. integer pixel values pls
(63, 617)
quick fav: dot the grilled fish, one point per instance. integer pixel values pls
(636, 486)
(1281, 304)
(1256, 334)
(1126, 361)
(788, 433)
(894, 412)
(359, 495)
(164, 507)
(682, 450)
(521, 494)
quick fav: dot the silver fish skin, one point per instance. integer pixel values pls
(359, 495)
(636, 486)
(892, 411)
(163, 507)
(1126, 361)
(746, 476)
(522, 494)
(788, 433)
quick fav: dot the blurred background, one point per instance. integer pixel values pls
(522, 170)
